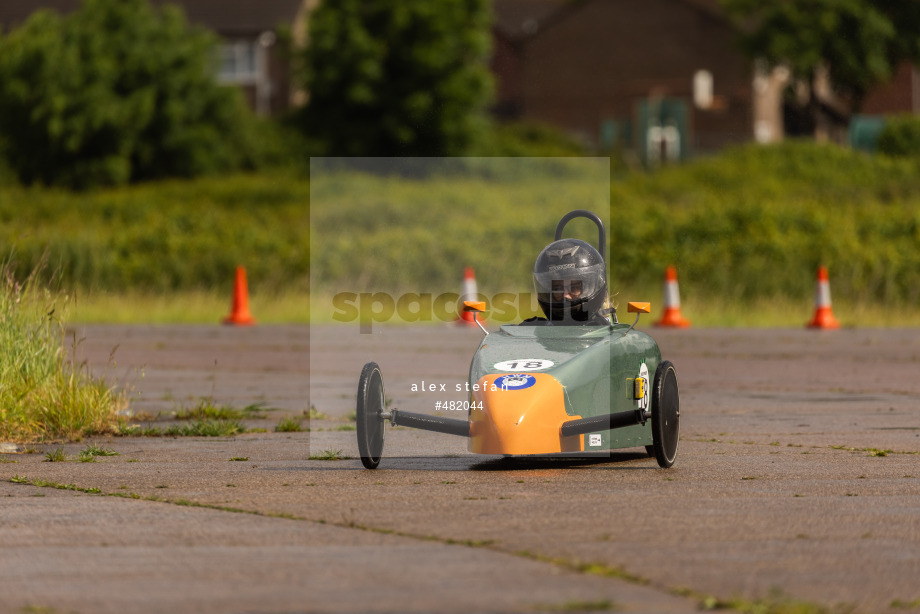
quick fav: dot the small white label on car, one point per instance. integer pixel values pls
(643, 402)
(594, 439)
(523, 364)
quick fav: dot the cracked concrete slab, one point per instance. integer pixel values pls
(798, 472)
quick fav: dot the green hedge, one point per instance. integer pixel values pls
(758, 221)
(900, 136)
(164, 236)
(754, 222)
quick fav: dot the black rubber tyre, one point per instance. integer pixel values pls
(370, 426)
(665, 414)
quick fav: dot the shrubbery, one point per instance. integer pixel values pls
(115, 92)
(753, 223)
(531, 139)
(162, 236)
(900, 136)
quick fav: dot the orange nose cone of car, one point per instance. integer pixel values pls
(520, 414)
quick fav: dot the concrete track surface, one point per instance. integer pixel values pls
(797, 480)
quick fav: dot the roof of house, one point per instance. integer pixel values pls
(14, 12)
(713, 7)
(223, 16)
(519, 19)
(229, 16)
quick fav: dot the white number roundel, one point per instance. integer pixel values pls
(524, 364)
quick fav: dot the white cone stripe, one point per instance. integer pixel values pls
(470, 292)
(823, 294)
(671, 294)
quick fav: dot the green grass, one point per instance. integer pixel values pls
(42, 395)
(713, 310)
(91, 451)
(17, 479)
(161, 236)
(289, 424)
(137, 430)
(206, 428)
(905, 605)
(188, 306)
(775, 603)
(86, 455)
(328, 455)
(757, 221)
(206, 409)
(315, 414)
(96, 450)
(702, 308)
(196, 428)
(600, 605)
(746, 229)
(55, 456)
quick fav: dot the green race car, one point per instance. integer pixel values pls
(552, 387)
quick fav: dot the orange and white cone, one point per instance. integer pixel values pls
(824, 316)
(672, 316)
(470, 293)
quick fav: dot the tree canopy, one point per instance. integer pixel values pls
(116, 91)
(388, 78)
(859, 42)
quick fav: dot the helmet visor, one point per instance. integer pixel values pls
(569, 285)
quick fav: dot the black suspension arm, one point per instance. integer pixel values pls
(449, 426)
(603, 423)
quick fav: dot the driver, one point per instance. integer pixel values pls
(570, 278)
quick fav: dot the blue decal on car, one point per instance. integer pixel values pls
(515, 381)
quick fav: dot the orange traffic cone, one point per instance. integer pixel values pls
(239, 313)
(672, 316)
(824, 317)
(470, 293)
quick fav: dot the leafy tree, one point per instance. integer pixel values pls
(859, 42)
(114, 92)
(396, 78)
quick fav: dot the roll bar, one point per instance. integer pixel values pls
(601, 233)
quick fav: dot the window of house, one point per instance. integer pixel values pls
(238, 62)
(702, 89)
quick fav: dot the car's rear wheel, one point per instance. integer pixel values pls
(370, 423)
(665, 414)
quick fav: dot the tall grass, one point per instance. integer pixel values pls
(42, 396)
(746, 227)
(130, 306)
(750, 224)
(164, 236)
(756, 222)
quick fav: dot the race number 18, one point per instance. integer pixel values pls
(524, 364)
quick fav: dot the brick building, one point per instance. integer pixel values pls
(661, 77)
(900, 95)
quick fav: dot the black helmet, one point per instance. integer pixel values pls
(570, 278)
